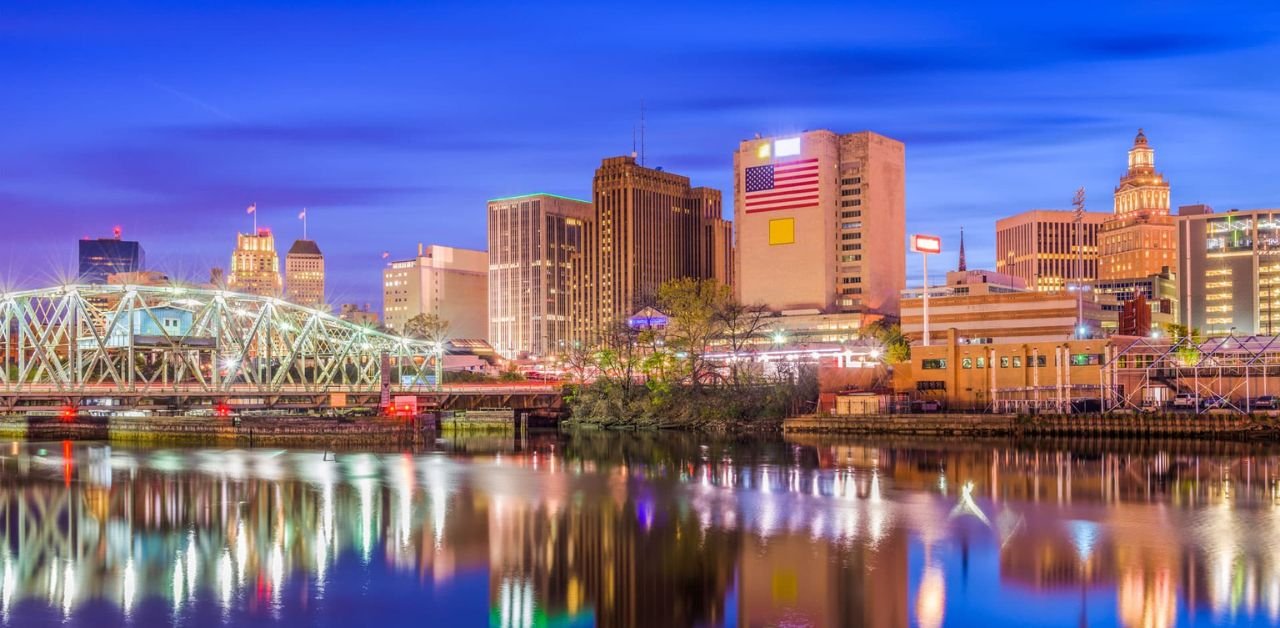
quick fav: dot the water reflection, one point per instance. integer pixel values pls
(648, 530)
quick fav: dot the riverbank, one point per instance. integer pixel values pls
(203, 430)
(1214, 426)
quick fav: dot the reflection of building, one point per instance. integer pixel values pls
(1230, 270)
(105, 256)
(255, 266)
(304, 274)
(1044, 247)
(790, 580)
(535, 256)
(449, 282)
(360, 315)
(821, 222)
(1139, 240)
(649, 226)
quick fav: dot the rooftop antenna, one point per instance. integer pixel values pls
(962, 266)
(633, 141)
(641, 131)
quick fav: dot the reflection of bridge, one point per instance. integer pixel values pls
(174, 347)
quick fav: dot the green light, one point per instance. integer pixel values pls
(519, 196)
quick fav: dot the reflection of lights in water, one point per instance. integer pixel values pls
(404, 490)
(277, 574)
(1084, 535)
(191, 562)
(966, 506)
(242, 553)
(364, 488)
(68, 588)
(7, 587)
(875, 510)
(225, 580)
(439, 503)
(931, 598)
(515, 603)
(942, 483)
(129, 587)
(177, 580)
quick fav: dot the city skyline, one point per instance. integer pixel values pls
(155, 137)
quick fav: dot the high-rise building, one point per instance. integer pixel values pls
(449, 282)
(821, 222)
(1139, 240)
(648, 226)
(535, 254)
(255, 266)
(304, 274)
(1229, 272)
(102, 257)
(1046, 248)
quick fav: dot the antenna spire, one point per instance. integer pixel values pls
(962, 266)
(641, 131)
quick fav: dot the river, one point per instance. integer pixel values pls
(597, 529)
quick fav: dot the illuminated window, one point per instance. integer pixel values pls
(782, 231)
(787, 147)
(762, 151)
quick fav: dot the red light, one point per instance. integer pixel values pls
(68, 414)
(222, 410)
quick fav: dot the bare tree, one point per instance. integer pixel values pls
(740, 327)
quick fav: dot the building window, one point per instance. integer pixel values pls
(933, 364)
(852, 213)
(982, 363)
(853, 203)
(1004, 362)
(850, 247)
(966, 363)
(1017, 361)
(851, 236)
(1086, 359)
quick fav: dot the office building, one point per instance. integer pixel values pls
(360, 315)
(1047, 249)
(821, 222)
(648, 226)
(255, 266)
(102, 257)
(304, 274)
(1229, 271)
(451, 283)
(1139, 239)
(983, 307)
(535, 253)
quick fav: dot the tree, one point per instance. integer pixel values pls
(692, 305)
(429, 327)
(897, 348)
(740, 326)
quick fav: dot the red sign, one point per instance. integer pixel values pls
(926, 244)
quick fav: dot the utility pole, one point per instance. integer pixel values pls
(1078, 202)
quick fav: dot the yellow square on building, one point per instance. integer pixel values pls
(782, 231)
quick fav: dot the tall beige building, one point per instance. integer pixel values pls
(648, 226)
(304, 274)
(1045, 248)
(821, 222)
(255, 266)
(535, 253)
(449, 282)
(1140, 240)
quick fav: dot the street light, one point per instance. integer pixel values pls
(926, 245)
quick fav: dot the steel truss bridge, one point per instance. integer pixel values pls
(137, 347)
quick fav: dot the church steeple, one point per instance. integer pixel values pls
(962, 266)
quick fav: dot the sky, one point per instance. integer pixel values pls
(394, 122)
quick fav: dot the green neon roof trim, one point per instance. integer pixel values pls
(512, 198)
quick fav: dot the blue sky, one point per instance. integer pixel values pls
(394, 122)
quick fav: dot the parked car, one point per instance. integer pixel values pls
(1213, 403)
(1265, 402)
(928, 405)
(1184, 401)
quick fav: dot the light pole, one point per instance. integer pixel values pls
(925, 245)
(1078, 202)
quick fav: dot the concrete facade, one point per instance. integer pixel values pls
(985, 316)
(821, 222)
(1229, 270)
(535, 250)
(449, 282)
(1046, 249)
(648, 226)
(304, 274)
(1139, 240)
(255, 265)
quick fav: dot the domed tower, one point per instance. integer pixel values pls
(1140, 240)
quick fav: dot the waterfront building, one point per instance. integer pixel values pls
(360, 315)
(821, 222)
(648, 226)
(304, 274)
(140, 278)
(1013, 375)
(101, 257)
(450, 282)
(1229, 270)
(535, 256)
(1046, 249)
(255, 266)
(1159, 293)
(1139, 240)
(983, 307)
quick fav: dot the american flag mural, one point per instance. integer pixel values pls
(789, 185)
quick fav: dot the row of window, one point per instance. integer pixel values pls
(850, 180)
(853, 203)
